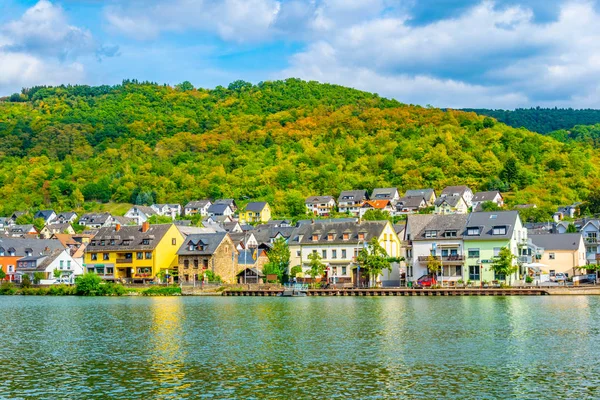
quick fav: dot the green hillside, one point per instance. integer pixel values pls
(277, 141)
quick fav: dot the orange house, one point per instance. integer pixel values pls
(13, 249)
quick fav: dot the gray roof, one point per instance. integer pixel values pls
(45, 214)
(353, 195)
(20, 228)
(197, 204)
(255, 270)
(209, 243)
(410, 202)
(442, 224)
(486, 221)
(304, 233)
(264, 233)
(43, 261)
(229, 202)
(37, 246)
(486, 196)
(124, 220)
(133, 235)
(59, 226)
(325, 221)
(416, 223)
(229, 226)
(67, 215)
(318, 199)
(563, 241)
(95, 218)
(452, 200)
(256, 206)
(183, 222)
(217, 208)
(450, 190)
(384, 193)
(145, 209)
(427, 193)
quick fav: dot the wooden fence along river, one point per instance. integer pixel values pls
(399, 292)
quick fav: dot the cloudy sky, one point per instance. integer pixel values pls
(447, 53)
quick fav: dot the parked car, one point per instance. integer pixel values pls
(427, 281)
(559, 277)
(62, 281)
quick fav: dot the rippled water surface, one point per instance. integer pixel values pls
(395, 347)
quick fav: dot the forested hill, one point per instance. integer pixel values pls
(542, 120)
(277, 141)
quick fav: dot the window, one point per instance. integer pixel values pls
(330, 236)
(430, 234)
(333, 253)
(105, 256)
(146, 242)
(474, 272)
(324, 254)
(139, 255)
(552, 256)
(191, 246)
(186, 263)
(346, 236)
(409, 270)
(356, 251)
(196, 263)
(112, 242)
(450, 234)
(499, 230)
(344, 270)
(109, 271)
(11, 268)
(473, 253)
(344, 254)
(298, 253)
(315, 238)
(473, 231)
(205, 263)
(499, 277)
(102, 242)
(497, 251)
(148, 255)
(68, 264)
(94, 256)
(361, 236)
(174, 241)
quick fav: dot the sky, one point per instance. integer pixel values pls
(445, 53)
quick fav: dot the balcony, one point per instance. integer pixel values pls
(526, 259)
(444, 259)
(591, 240)
(124, 260)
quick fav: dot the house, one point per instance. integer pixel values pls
(13, 218)
(4, 223)
(167, 210)
(232, 227)
(493, 196)
(220, 210)
(591, 237)
(280, 223)
(453, 204)
(197, 207)
(230, 202)
(69, 216)
(410, 205)
(47, 215)
(244, 240)
(213, 252)
(75, 246)
(569, 211)
(21, 231)
(428, 194)
(350, 201)
(390, 194)
(13, 249)
(51, 229)
(338, 244)
(440, 236)
(123, 221)
(463, 191)
(320, 206)
(381, 205)
(140, 213)
(47, 263)
(250, 275)
(485, 235)
(258, 211)
(133, 253)
(561, 252)
(266, 235)
(94, 220)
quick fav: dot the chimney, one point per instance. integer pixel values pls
(117, 227)
(145, 226)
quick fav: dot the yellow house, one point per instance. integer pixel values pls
(258, 211)
(563, 252)
(135, 253)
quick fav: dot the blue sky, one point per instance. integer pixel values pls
(447, 53)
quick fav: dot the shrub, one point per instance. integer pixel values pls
(7, 288)
(37, 277)
(25, 281)
(61, 290)
(162, 291)
(111, 289)
(87, 284)
(528, 279)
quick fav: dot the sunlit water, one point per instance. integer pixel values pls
(240, 347)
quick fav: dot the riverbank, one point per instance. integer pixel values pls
(10, 289)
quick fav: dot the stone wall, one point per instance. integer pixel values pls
(219, 262)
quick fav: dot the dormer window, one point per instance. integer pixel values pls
(346, 236)
(473, 231)
(430, 234)
(145, 242)
(191, 246)
(493, 216)
(315, 238)
(499, 230)
(361, 236)
(450, 234)
(102, 242)
(330, 236)
(112, 242)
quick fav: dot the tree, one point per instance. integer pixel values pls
(374, 259)
(279, 259)
(24, 219)
(57, 274)
(503, 264)
(376, 215)
(511, 172)
(25, 281)
(159, 219)
(490, 206)
(434, 265)
(38, 276)
(184, 86)
(571, 228)
(295, 271)
(39, 224)
(2, 275)
(317, 268)
(87, 284)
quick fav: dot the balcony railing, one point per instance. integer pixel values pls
(124, 260)
(444, 258)
(592, 240)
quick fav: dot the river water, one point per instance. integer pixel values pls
(244, 347)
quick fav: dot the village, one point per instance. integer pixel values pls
(456, 243)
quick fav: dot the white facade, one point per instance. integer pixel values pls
(321, 208)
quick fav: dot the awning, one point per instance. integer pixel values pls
(537, 267)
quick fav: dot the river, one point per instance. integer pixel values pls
(347, 347)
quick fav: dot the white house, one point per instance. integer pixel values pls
(197, 207)
(321, 206)
(464, 191)
(167, 210)
(493, 196)
(453, 204)
(140, 213)
(351, 201)
(390, 194)
(47, 263)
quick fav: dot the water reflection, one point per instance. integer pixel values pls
(167, 356)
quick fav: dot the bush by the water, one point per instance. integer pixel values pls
(162, 291)
(7, 288)
(91, 284)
